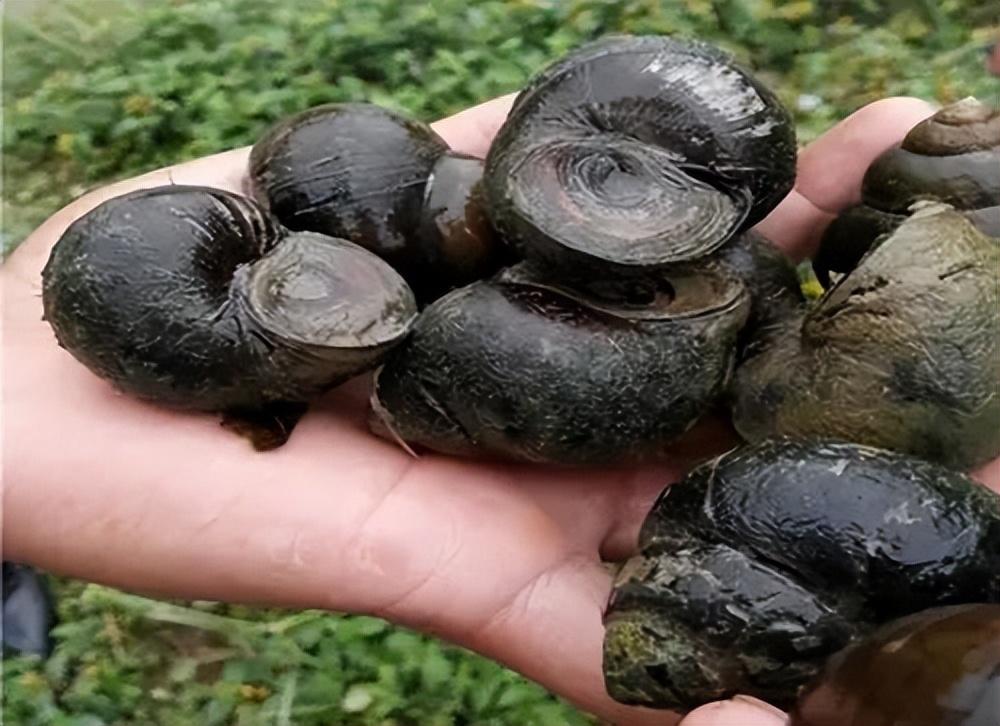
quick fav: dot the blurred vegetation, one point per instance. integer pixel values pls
(124, 660)
(95, 90)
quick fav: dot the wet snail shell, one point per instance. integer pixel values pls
(940, 667)
(766, 561)
(383, 181)
(952, 157)
(771, 280)
(526, 368)
(987, 220)
(197, 298)
(457, 241)
(903, 353)
(355, 171)
(635, 153)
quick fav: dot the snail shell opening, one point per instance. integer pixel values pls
(626, 203)
(327, 292)
(638, 152)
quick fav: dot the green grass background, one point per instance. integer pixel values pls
(96, 90)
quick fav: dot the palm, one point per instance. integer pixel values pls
(505, 559)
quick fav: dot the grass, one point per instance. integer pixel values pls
(96, 90)
(124, 660)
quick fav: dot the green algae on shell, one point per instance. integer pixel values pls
(526, 368)
(903, 353)
(940, 667)
(197, 298)
(638, 152)
(766, 561)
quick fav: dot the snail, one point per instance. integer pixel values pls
(526, 368)
(940, 667)
(902, 353)
(385, 182)
(764, 562)
(197, 298)
(952, 157)
(637, 152)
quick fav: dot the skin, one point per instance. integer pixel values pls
(993, 59)
(504, 559)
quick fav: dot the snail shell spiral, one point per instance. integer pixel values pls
(198, 298)
(638, 152)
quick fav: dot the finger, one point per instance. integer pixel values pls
(989, 474)
(740, 711)
(831, 168)
(471, 131)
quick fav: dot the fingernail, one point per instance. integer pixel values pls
(762, 705)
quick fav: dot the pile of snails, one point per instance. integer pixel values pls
(584, 296)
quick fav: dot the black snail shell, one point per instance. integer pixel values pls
(383, 181)
(952, 157)
(940, 667)
(638, 152)
(456, 240)
(771, 280)
(903, 353)
(526, 368)
(766, 561)
(197, 298)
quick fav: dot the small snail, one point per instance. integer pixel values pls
(197, 298)
(940, 667)
(902, 353)
(385, 182)
(952, 157)
(766, 561)
(637, 152)
(524, 367)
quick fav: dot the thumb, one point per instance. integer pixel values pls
(740, 711)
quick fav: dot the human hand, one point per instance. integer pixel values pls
(505, 559)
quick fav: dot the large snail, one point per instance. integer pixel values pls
(952, 157)
(903, 353)
(385, 182)
(529, 369)
(624, 174)
(197, 298)
(638, 152)
(940, 667)
(766, 561)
